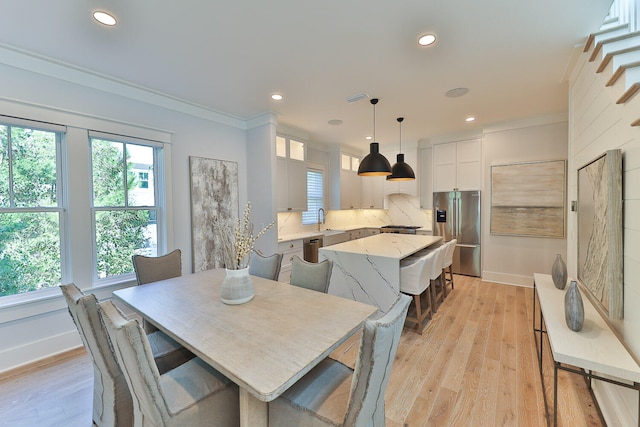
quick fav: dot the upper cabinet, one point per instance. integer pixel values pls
(425, 161)
(291, 170)
(456, 166)
(350, 182)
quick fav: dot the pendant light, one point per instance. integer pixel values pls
(374, 163)
(401, 171)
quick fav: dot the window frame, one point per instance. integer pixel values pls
(159, 207)
(315, 167)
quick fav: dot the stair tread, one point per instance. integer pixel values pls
(607, 58)
(601, 43)
(593, 36)
(620, 71)
(629, 93)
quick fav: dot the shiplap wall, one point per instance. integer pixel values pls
(598, 124)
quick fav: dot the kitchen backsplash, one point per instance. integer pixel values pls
(402, 209)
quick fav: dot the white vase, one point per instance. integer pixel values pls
(237, 287)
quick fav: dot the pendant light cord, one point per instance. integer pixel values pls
(400, 119)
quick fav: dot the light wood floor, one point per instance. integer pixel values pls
(474, 365)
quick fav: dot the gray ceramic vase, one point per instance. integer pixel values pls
(559, 272)
(573, 307)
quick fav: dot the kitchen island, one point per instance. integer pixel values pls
(368, 269)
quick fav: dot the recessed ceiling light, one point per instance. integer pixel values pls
(427, 39)
(454, 93)
(335, 122)
(104, 18)
(276, 97)
(368, 137)
(469, 119)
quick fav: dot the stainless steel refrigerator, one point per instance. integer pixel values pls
(457, 216)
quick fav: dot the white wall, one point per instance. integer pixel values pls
(41, 328)
(598, 124)
(512, 259)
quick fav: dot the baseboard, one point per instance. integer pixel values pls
(618, 404)
(17, 357)
(507, 279)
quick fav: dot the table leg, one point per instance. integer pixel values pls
(253, 412)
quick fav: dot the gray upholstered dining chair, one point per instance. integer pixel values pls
(311, 275)
(192, 394)
(332, 394)
(267, 267)
(112, 404)
(152, 269)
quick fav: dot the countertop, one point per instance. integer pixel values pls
(388, 245)
(328, 232)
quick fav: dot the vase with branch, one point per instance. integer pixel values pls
(238, 243)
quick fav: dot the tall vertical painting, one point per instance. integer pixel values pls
(214, 193)
(600, 249)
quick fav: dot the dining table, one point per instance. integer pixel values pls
(264, 345)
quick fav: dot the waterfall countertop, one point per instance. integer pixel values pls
(388, 245)
(368, 269)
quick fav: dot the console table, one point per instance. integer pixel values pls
(592, 352)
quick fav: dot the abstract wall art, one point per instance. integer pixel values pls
(529, 199)
(214, 193)
(600, 249)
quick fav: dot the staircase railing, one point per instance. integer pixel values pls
(626, 12)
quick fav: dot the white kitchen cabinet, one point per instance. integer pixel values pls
(372, 192)
(457, 166)
(425, 159)
(350, 182)
(289, 249)
(291, 175)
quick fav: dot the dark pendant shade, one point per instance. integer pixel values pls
(374, 163)
(401, 171)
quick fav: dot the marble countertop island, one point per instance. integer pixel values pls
(368, 269)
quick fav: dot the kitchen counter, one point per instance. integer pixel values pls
(368, 269)
(321, 233)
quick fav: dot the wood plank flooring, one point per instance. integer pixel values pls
(474, 365)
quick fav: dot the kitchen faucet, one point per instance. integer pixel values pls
(320, 210)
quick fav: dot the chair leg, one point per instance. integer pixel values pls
(451, 275)
(418, 304)
(443, 280)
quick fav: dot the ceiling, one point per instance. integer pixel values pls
(230, 56)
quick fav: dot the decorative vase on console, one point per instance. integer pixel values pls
(237, 286)
(559, 272)
(573, 307)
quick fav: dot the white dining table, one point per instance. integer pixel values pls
(264, 345)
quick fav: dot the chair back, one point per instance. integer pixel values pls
(152, 269)
(267, 267)
(414, 277)
(112, 404)
(448, 255)
(134, 354)
(311, 275)
(436, 270)
(378, 348)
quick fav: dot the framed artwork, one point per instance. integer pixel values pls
(529, 199)
(214, 193)
(600, 249)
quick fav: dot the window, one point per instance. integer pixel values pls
(315, 196)
(31, 209)
(125, 204)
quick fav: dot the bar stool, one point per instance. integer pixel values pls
(414, 280)
(447, 264)
(436, 276)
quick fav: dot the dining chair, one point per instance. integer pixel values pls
(332, 394)
(267, 267)
(311, 275)
(192, 394)
(112, 404)
(415, 280)
(152, 269)
(447, 264)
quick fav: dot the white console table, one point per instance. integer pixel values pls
(592, 352)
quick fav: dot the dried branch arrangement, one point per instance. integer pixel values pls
(239, 242)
